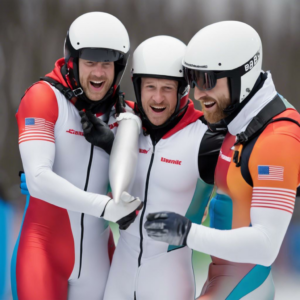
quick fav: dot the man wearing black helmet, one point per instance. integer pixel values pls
(64, 244)
(258, 168)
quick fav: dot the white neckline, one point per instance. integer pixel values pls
(253, 107)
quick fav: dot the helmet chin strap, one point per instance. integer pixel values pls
(103, 105)
(230, 109)
(234, 85)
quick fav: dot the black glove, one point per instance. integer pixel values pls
(123, 213)
(168, 227)
(96, 131)
(127, 220)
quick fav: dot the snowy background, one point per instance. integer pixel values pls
(32, 33)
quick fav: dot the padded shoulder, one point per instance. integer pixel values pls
(39, 101)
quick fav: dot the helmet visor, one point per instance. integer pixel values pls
(204, 80)
(100, 54)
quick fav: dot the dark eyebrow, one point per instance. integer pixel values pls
(171, 85)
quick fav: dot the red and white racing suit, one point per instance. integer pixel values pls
(64, 246)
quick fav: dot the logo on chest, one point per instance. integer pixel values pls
(171, 161)
(72, 131)
(144, 151)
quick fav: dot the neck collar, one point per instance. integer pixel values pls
(252, 106)
(189, 116)
(156, 133)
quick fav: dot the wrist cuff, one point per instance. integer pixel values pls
(102, 215)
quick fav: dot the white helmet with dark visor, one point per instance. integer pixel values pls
(226, 49)
(100, 37)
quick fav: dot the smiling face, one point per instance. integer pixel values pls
(96, 78)
(214, 101)
(159, 99)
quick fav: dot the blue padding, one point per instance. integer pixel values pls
(220, 212)
(3, 248)
(23, 178)
(14, 257)
(199, 202)
(23, 185)
(250, 282)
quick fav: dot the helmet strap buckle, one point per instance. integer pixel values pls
(77, 92)
(241, 138)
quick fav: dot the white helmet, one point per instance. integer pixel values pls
(225, 49)
(160, 57)
(96, 36)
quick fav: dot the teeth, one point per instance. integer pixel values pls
(208, 103)
(97, 82)
(158, 107)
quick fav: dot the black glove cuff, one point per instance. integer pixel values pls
(127, 220)
(188, 228)
(102, 215)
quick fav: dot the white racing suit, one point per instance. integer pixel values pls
(166, 180)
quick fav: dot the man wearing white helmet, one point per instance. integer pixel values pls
(177, 156)
(258, 166)
(64, 244)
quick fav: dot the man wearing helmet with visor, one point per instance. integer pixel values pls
(248, 228)
(177, 156)
(64, 244)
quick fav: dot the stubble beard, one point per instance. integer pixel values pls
(91, 96)
(218, 114)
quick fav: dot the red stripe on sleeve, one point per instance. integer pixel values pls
(275, 198)
(37, 114)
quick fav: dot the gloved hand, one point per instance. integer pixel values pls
(23, 185)
(96, 131)
(123, 213)
(168, 227)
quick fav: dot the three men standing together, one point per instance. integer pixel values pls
(64, 227)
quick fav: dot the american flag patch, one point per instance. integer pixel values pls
(276, 198)
(270, 173)
(37, 129)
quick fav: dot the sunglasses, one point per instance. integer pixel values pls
(207, 80)
(204, 80)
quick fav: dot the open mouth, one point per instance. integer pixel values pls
(157, 109)
(97, 84)
(209, 104)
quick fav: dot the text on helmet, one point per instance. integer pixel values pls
(250, 64)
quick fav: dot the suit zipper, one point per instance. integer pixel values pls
(144, 209)
(82, 215)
